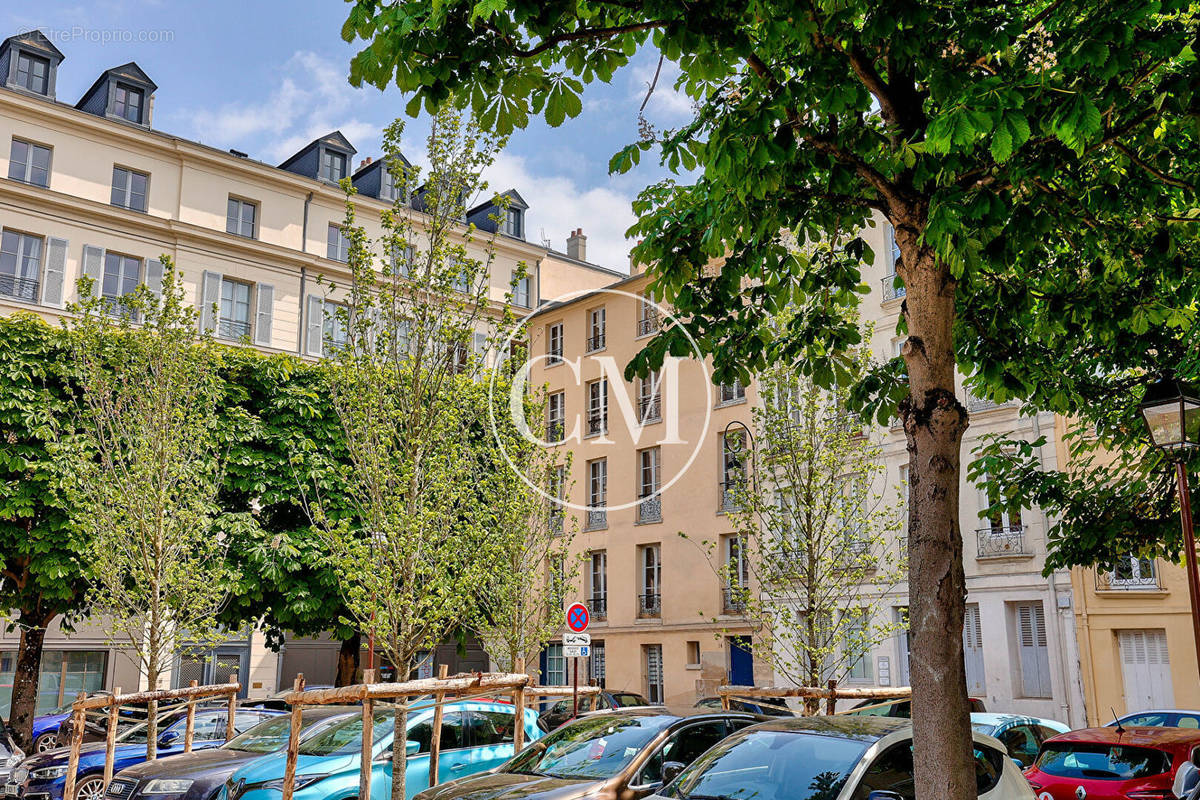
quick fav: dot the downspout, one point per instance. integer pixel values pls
(303, 276)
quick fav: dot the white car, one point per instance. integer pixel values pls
(829, 758)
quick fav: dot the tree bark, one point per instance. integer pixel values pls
(400, 749)
(26, 676)
(347, 663)
(934, 422)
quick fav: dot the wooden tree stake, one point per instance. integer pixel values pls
(232, 710)
(293, 745)
(110, 736)
(368, 737)
(76, 741)
(831, 701)
(519, 709)
(435, 741)
(190, 729)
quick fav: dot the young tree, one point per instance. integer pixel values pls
(43, 570)
(813, 561)
(1036, 162)
(147, 470)
(409, 561)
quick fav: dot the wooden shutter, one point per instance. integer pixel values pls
(1146, 669)
(1035, 655)
(55, 272)
(262, 319)
(210, 296)
(93, 266)
(973, 652)
(154, 277)
(314, 342)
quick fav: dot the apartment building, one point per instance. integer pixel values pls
(91, 187)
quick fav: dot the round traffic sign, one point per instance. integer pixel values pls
(578, 617)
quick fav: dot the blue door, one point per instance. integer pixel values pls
(741, 661)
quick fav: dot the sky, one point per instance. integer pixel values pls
(268, 76)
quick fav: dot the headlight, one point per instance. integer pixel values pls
(300, 782)
(167, 787)
(48, 773)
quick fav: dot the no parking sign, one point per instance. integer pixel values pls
(578, 618)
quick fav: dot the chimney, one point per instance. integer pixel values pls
(365, 162)
(577, 245)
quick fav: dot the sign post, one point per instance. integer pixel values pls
(576, 645)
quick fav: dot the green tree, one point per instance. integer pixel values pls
(409, 560)
(147, 500)
(43, 572)
(1035, 161)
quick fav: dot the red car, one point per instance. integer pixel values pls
(1111, 763)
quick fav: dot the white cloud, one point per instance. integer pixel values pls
(558, 205)
(667, 102)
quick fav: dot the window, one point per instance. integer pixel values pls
(556, 666)
(558, 488)
(20, 265)
(649, 482)
(1132, 572)
(556, 416)
(520, 287)
(129, 189)
(338, 245)
(453, 735)
(652, 655)
(597, 667)
(127, 103)
(336, 323)
(33, 73)
(512, 222)
(64, 673)
(597, 493)
(1022, 744)
(734, 469)
(122, 274)
(240, 217)
(490, 728)
(693, 655)
(1034, 653)
(29, 163)
(596, 329)
(234, 322)
(685, 747)
(649, 398)
(732, 392)
(554, 344)
(651, 580)
(597, 407)
(403, 260)
(893, 771)
(648, 321)
(856, 645)
(387, 184)
(598, 584)
(333, 165)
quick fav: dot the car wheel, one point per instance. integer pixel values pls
(90, 788)
(47, 741)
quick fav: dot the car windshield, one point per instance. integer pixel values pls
(628, 700)
(770, 765)
(592, 748)
(266, 737)
(1101, 761)
(345, 738)
(136, 734)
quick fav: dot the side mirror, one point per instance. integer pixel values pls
(671, 770)
(884, 794)
(167, 737)
(411, 748)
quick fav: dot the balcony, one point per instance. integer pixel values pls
(554, 356)
(647, 325)
(1140, 576)
(731, 494)
(232, 328)
(598, 607)
(595, 342)
(983, 404)
(649, 605)
(597, 518)
(650, 409)
(1002, 541)
(649, 509)
(893, 288)
(733, 601)
(597, 423)
(554, 519)
(555, 430)
(19, 288)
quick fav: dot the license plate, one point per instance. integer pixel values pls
(12, 789)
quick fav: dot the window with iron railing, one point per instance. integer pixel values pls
(598, 584)
(648, 318)
(554, 344)
(649, 507)
(20, 265)
(1131, 574)
(651, 584)
(121, 277)
(732, 392)
(597, 417)
(649, 398)
(597, 512)
(734, 470)
(556, 416)
(597, 326)
(234, 321)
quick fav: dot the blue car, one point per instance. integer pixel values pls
(1021, 735)
(45, 728)
(43, 776)
(476, 736)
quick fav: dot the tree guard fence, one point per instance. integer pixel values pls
(829, 693)
(454, 688)
(113, 702)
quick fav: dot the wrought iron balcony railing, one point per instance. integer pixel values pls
(649, 509)
(1001, 541)
(893, 288)
(731, 494)
(598, 607)
(232, 329)
(733, 601)
(650, 408)
(595, 342)
(19, 288)
(650, 605)
(597, 423)
(647, 325)
(597, 518)
(1143, 579)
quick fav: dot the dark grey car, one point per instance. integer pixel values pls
(199, 775)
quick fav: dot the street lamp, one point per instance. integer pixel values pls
(1172, 412)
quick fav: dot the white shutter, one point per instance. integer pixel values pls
(210, 295)
(1035, 655)
(1146, 670)
(314, 342)
(93, 266)
(55, 272)
(973, 652)
(154, 277)
(262, 320)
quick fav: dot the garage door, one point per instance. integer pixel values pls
(1146, 669)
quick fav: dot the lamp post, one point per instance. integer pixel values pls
(1171, 409)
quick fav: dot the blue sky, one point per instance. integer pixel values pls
(266, 77)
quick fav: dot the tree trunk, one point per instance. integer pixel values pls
(347, 663)
(399, 749)
(152, 713)
(25, 678)
(934, 422)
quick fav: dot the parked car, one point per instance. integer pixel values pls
(1022, 736)
(829, 758)
(42, 776)
(199, 775)
(1103, 763)
(561, 712)
(774, 708)
(45, 727)
(10, 754)
(476, 736)
(608, 755)
(900, 708)
(1172, 718)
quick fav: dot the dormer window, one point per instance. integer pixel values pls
(128, 102)
(33, 73)
(387, 185)
(513, 223)
(333, 165)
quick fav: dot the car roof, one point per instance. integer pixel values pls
(995, 718)
(1132, 735)
(870, 728)
(678, 713)
(1159, 711)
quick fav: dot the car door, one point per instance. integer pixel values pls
(452, 758)
(490, 739)
(1021, 741)
(892, 771)
(684, 746)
